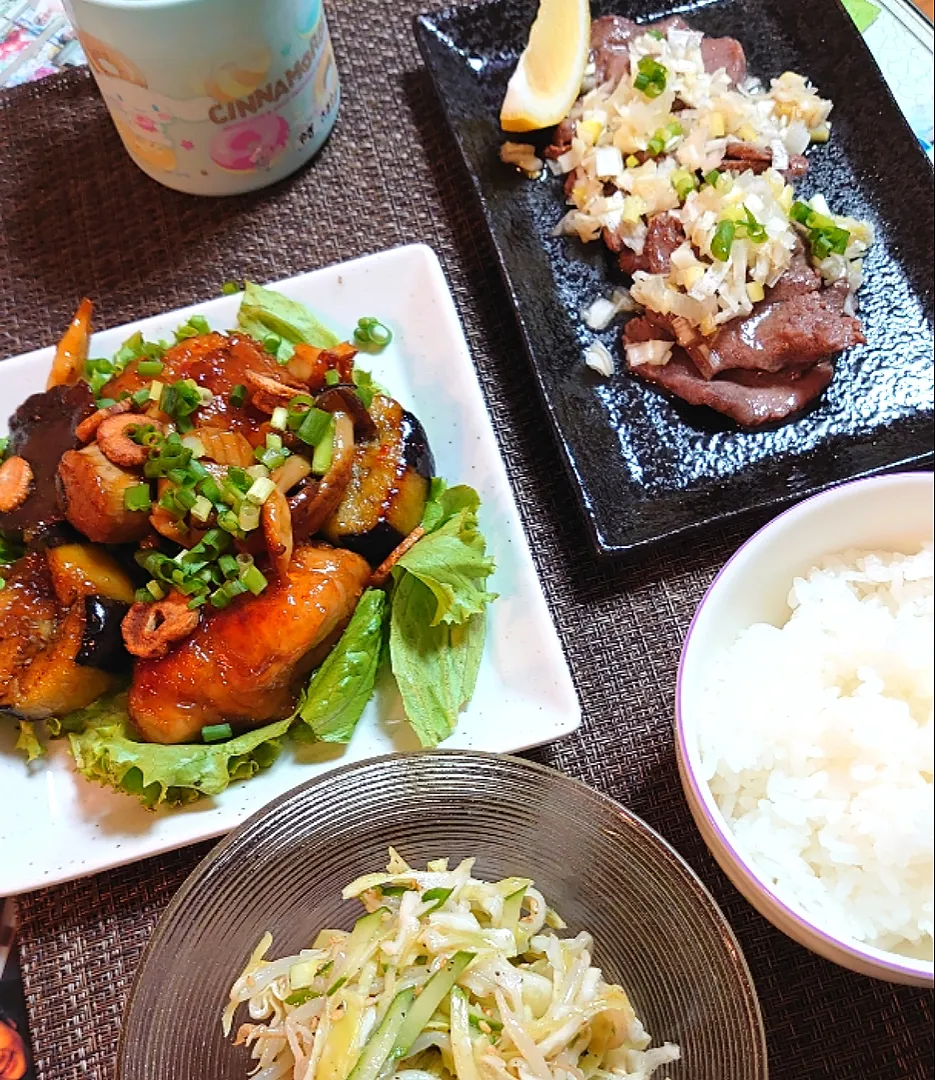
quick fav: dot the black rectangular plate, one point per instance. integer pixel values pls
(646, 466)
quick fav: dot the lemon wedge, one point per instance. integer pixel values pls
(548, 76)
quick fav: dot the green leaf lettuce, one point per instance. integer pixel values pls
(438, 613)
(452, 559)
(105, 750)
(264, 312)
(340, 689)
(28, 741)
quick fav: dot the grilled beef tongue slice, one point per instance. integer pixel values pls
(797, 324)
(748, 157)
(794, 327)
(610, 48)
(752, 398)
(663, 236)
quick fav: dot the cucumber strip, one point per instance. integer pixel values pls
(357, 946)
(381, 1042)
(512, 910)
(436, 898)
(461, 1047)
(433, 994)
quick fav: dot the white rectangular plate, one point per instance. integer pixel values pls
(55, 825)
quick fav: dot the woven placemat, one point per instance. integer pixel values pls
(76, 217)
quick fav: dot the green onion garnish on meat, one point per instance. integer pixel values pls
(750, 229)
(238, 395)
(723, 240)
(651, 77)
(216, 733)
(664, 139)
(684, 183)
(824, 236)
(313, 427)
(137, 497)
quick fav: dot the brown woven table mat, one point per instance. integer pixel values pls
(78, 218)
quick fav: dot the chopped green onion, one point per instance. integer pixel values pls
(664, 139)
(148, 368)
(137, 497)
(141, 596)
(222, 596)
(200, 323)
(711, 178)
(238, 395)
(280, 418)
(370, 331)
(229, 288)
(186, 498)
(229, 522)
(723, 240)
(272, 343)
(155, 590)
(140, 432)
(381, 335)
(105, 402)
(321, 458)
(750, 228)
(181, 399)
(657, 34)
(216, 732)
(332, 378)
(684, 183)
(255, 471)
(209, 488)
(142, 396)
(238, 477)
(314, 426)
(824, 236)
(248, 517)
(828, 241)
(260, 490)
(201, 509)
(155, 392)
(228, 566)
(652, 76)
(253, 579)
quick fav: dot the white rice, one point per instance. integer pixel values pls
(817, 741)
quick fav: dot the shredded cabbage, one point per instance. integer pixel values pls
(469, 977)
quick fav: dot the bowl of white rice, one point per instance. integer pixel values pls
(804, 724)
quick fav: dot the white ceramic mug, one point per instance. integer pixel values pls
(213, 97)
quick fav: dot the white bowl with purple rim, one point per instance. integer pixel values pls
(892, 513)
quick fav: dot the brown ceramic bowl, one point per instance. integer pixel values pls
(657, 930)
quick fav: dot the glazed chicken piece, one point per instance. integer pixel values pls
(243, 665)
(218, 362)
(29, 614)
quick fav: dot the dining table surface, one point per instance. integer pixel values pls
(78, 218)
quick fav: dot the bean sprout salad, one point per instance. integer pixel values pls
(445, 977)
